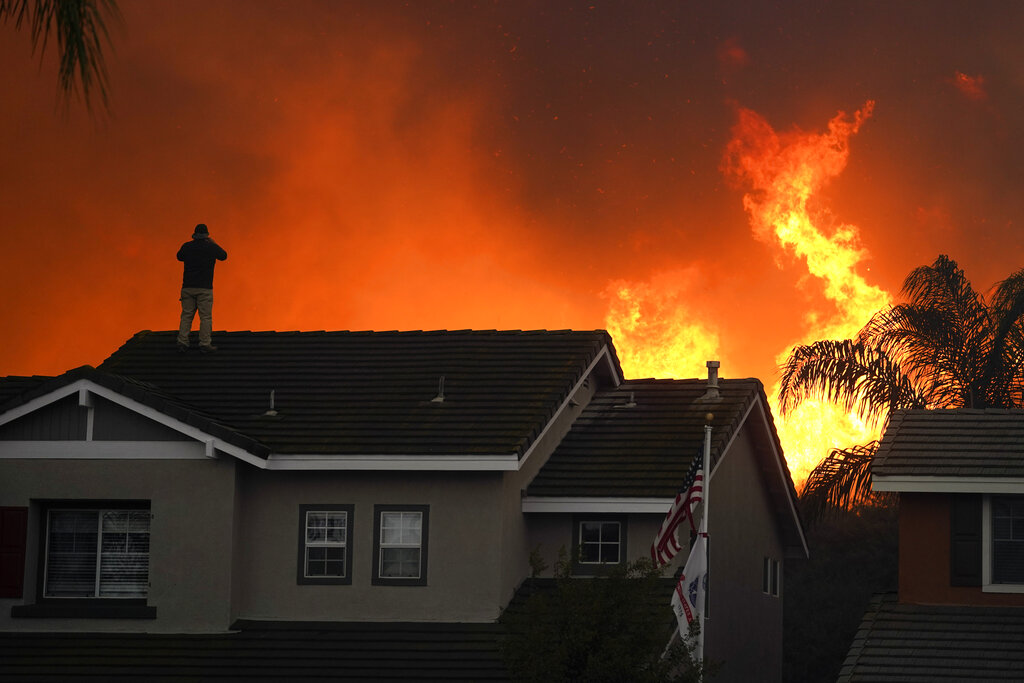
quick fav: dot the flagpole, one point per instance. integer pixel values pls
(704, 524)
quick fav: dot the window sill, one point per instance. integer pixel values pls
(1002, 588)
(53, 611)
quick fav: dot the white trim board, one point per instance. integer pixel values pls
(103, 450)
(603, 353)
(936, 484)
(463, 463)
(658, 506)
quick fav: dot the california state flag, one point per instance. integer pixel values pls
(688, 597)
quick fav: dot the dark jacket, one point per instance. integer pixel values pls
(199, 257)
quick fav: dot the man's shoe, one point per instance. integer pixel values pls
(182, 348)
(207, 348)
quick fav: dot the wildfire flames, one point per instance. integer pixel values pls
(782, 173)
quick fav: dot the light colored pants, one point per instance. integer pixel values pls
(193, 299)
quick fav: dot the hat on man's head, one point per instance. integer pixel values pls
(202, 232)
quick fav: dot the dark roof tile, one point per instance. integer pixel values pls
(924, 643)
(953, 443)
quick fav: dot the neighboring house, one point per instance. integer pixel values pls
(361, 501)
(958, 614)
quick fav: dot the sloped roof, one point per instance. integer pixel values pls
(128, 387)
(280, 651)
(638, 439)
(13, 386)
(370, 393)
(925, 643)
(957, 443)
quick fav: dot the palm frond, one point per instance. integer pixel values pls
(81, 30)
(840, 482)
(858, 377)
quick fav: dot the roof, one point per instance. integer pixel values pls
(304, 651)
(951, 444)
(357, 393)
(908, 643)
(638, 439)
(632, 445)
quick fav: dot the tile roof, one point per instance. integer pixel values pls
(925, 643)
(281, 651)
(952, 443)
(141, 392)
(369, 393)
(13, 386)
(638, 439)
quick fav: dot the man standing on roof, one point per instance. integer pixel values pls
(200, 255)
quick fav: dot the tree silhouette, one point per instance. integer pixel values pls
(946, 347)
(81, 29)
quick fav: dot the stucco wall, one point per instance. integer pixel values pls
(924, 570)
(462, 559)
(744, 627)
(190, 534)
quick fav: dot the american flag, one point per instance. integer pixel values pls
(666, 544)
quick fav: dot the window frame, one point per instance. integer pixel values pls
(988, 550)
(378, 513)
(301, 578)
(82, 607)
(581, 568)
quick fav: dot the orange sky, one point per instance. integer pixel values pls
(386, 165)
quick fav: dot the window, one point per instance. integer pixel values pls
(96, 553)
(1007, 539)
(325, 546)
(400, 535)
(770, 576)
(599, 540)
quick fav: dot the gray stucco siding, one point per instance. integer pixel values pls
(744, 630)
(462, 562)
(190, 534)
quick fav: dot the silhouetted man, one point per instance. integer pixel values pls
(200, 255)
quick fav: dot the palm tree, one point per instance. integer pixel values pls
(946, 347)
(81, 31)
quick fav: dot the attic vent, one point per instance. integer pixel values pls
(270, 411)
(440, 391)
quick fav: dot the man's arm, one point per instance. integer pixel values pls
(181, 252)
(220, 253)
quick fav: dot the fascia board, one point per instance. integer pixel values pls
(936, 484)
(103, 450)
(603, 354)
(148, 412)
(45, 400)
(658, 506)
(464, 463)
(783, 479)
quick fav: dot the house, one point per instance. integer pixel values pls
(376, 494)
(959, 611)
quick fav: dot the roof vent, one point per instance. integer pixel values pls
(270, 411)
(712, 393)
(440, 391)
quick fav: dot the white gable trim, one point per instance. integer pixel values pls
(84, 387)
(654, 506)
(477, 463)
(604, 355)
(936, 484)
(103, 450)
(783, 478)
